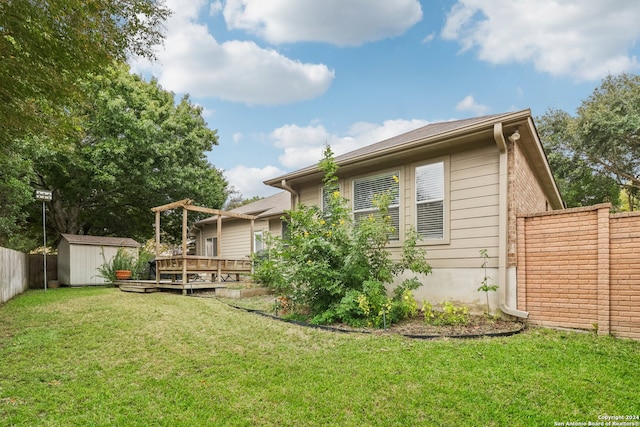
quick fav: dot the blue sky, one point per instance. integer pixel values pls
(280, 78)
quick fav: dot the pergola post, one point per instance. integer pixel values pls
(186, 207)
(219, 245)
(252, 247)
(184, 250)
(157, 246)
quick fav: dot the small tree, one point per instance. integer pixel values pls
(485, 286)
(334, 269)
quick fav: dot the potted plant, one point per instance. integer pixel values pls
(123, 274)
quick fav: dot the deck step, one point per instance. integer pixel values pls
(139, 287)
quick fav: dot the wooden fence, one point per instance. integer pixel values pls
(36, 270)
(578, 268)
(14, 273)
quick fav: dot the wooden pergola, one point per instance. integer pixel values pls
(192, 264)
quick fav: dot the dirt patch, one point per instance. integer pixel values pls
(477, 326)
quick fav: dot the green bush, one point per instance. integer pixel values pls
(124, 260)
(335, 269)
(450, 314)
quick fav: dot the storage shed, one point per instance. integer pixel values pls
(80, 256)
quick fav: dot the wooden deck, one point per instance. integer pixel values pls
(222, 289)
(193, 264)
(187, 271)
(191, 272)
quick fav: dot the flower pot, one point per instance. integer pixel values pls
(123, 274)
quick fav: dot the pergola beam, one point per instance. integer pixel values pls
(179, 204)
(186, 206)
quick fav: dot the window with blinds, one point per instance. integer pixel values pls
(430, 200)
(364, 190)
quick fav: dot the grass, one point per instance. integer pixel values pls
(98, 356)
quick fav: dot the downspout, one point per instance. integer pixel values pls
(503, 237)
(293, 192)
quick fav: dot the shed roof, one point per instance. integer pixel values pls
(81, 239)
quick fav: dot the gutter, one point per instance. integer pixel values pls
(293, 192)
(432, 140)
(503, 238)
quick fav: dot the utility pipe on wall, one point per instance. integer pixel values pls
(503, 237)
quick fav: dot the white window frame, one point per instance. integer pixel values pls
(211, 246)
(435, 198)
(365, 211)
(258, 240)
(324, 196)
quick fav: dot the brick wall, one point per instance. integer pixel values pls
(625, 275)
(525, 194)
(577, 269)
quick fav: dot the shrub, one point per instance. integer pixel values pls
(450, 314)
(335, 268)
(124, 260)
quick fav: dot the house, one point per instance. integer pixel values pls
(460, 184)
(233, 237)
(80, 257)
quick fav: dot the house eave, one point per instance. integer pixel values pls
(450, 138)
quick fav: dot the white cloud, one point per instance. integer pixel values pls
(215, 8)
(584, 39)
(343, 23)
(470, 104)
(236, 137)
(428, 38)
(249, 181)
(303, 145)
(192, 61)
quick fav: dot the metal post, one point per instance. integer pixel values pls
(45, 196)
(44, 241)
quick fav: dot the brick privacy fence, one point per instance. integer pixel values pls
(578, 268)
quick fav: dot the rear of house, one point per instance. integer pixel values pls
(236, 236)
(460, 184)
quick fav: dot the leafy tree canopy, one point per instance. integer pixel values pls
(47, 46)
(134, 148)
(608, 128)
(579, 183)
(235, 199)
(597, 153)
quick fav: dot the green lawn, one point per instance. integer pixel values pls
(90, 357)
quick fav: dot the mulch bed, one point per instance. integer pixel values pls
(478, 326)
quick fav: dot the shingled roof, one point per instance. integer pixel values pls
(398, 142)
(270, 206)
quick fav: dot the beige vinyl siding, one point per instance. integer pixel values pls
(471, 215)
(206, 232)
(275, 227)
(471, 206)
(310, 195)
(236, 237)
